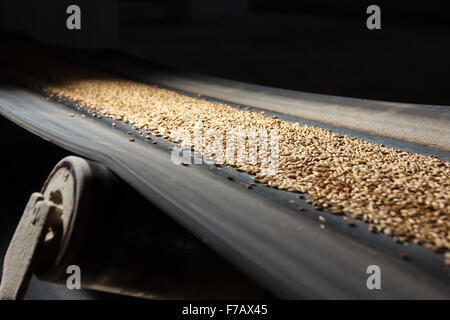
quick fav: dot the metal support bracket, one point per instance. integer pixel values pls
(31, 246)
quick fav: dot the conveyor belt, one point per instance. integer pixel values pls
(258, 230)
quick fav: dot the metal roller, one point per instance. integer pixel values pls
(120, 242)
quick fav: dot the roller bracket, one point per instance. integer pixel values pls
(31, 246)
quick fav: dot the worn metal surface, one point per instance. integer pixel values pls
(26, 251)
(254, 229)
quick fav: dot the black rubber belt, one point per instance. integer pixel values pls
(253, 229)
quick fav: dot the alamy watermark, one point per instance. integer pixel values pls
(74, 279)
(73, 22)
(373, 22)
(238, 147)
(374, 280)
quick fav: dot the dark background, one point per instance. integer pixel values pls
(319, 46)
